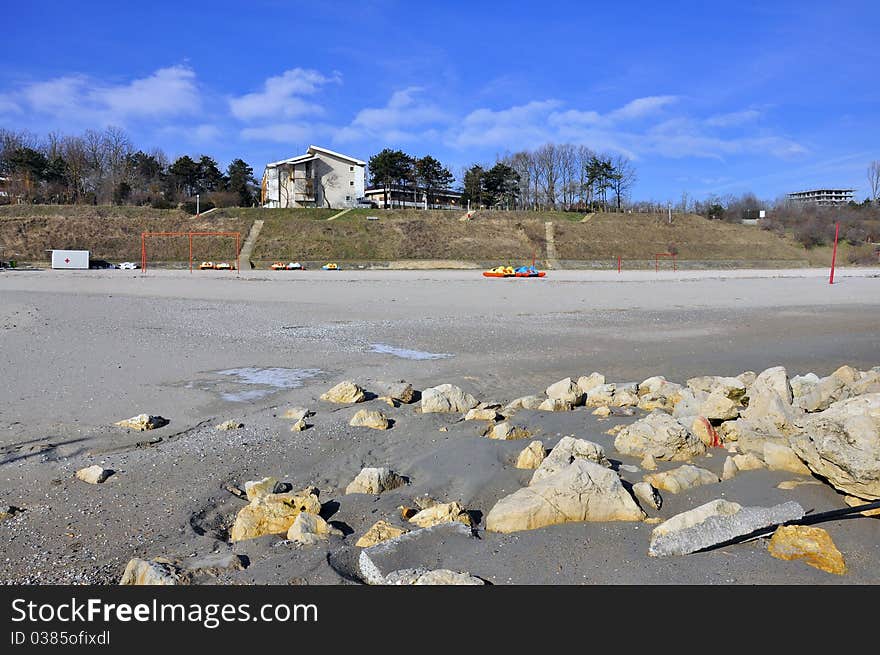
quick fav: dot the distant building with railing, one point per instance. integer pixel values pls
(823, 196)
(408, 196)
(319, 178)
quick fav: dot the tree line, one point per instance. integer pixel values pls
(396, 169)
(554, 176)
(103, 167)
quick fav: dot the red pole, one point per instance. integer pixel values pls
(673, 262)
(656, 265)
(143, 253)
(834, 253)
(238, 253)
(618, 263)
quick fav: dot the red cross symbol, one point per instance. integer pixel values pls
(67, 260)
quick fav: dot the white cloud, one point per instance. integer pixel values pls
(641, 107)
(733, 119)
(516, 127)
(405, 118)
(167, 92)
(281, 96)
(8, 106)
(290, 133)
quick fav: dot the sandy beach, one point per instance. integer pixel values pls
(82, 350)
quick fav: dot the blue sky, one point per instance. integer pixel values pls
(705, 97)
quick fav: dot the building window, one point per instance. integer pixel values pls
(348, 197)
(351, 168)
(351, 183)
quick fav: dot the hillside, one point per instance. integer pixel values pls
(113, 233)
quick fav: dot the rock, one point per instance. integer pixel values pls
(718, 406)
(779, 457)
(730, 388)
(151, 572)
(648, 495)
(565, 452)
(567, 391)
(852, 501)
(506, 431)
(478, 414)
(658, 393)
(813, 546)
(531, 456)
(703, 430)
(446, 398)
(582, 491)
(420, 549)
(310, 529)
(94, 474)
(625, 398)
(660, 436)
(214, 564)
(8, 511)
(297, 413)
(730, 469)
(525, 402)
(869, 382)
(770, 414)
(689, 403)
(345, 392)
(681, 479)
(588, 382)
(846, 374)
(648, 463)
(273, 514)
(406, 513)
(366, 418)
(229, 425)
(748, 462)
(555, 405)
(747, 378)
(435, 577)
(402, 392)
(602, 411)
(299, 426)
(442, 513)
(599, 395)
(375, 481)
(613, 430)
(143, 422)
(716, 522)
(842, 445)
(787, 485)
(378, 532)
(256, 488)
(817, 395)
(772, 380)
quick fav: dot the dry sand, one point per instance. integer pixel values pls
(81, 350)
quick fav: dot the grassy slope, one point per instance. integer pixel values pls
(112, 233)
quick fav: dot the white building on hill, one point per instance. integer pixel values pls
(319, 178)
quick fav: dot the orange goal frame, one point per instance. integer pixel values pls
(190, 235)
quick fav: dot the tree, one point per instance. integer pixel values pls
(209, 176)
(623, 178)
(500, 186)
(432, 175)
(240, 178)
(390, 167)
(473, 185)
(874, 180)
(27, 168)
(184, 175)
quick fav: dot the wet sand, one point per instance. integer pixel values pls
(81, 350)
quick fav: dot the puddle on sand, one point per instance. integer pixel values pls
(405, 353)
(268, 381)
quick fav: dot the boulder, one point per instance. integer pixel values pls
(812, 546)
(253, 489)
(507, 431)
(583, 491)
(273, 514)
(842, 445)
(852, 501)
(297, 413)
(689, 403)
(624, 398)
(531, 456)
(603, 411)
(525, 402)
(366, 418)
(748, 462)
(374, 481)
(779, 457)
(229, 425)
(717, 406)
(660, 436)
(435, 577)
(847, 374)
(567, 391)
(157, 571)
(143, 422)
(773, 380)
(816, 395)
(299, 426)
(703, 430)
(588, 382)
(442, 513)
(310, 529)
(565, 452)
(716, 522)
(731, 388)
(345, 393)
(602, 394)
(481, 414)
(648, 495)
(94, 474)
(681, 479)
(401, 392)
(555, 405)
(378, 532)
(648, 463)
(730, 469)
(747, 378)
(446, 398)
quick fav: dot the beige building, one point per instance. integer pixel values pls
(319, 178)
(823, 196)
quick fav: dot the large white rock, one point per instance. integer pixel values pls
(555, 405)
(345, 392)
(681, 479)
(732, 388)
(660, 436)
(842, 445)
(255, 488)
(648, 495)
(94, 474)
(366, 418)
(506, 431)
(566, 390)
(717, 406)
(374, 481)
(310, 529)
(151, 572)
(525, 402)
(780, 457)
(447, 398)
(273, 514)
(143, 422)
(602, 394)
(583, 491)
(531, 456)
(588, 382)
(565, 452)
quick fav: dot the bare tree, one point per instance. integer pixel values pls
(623, 179)
(874, 180)
(548, 167)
